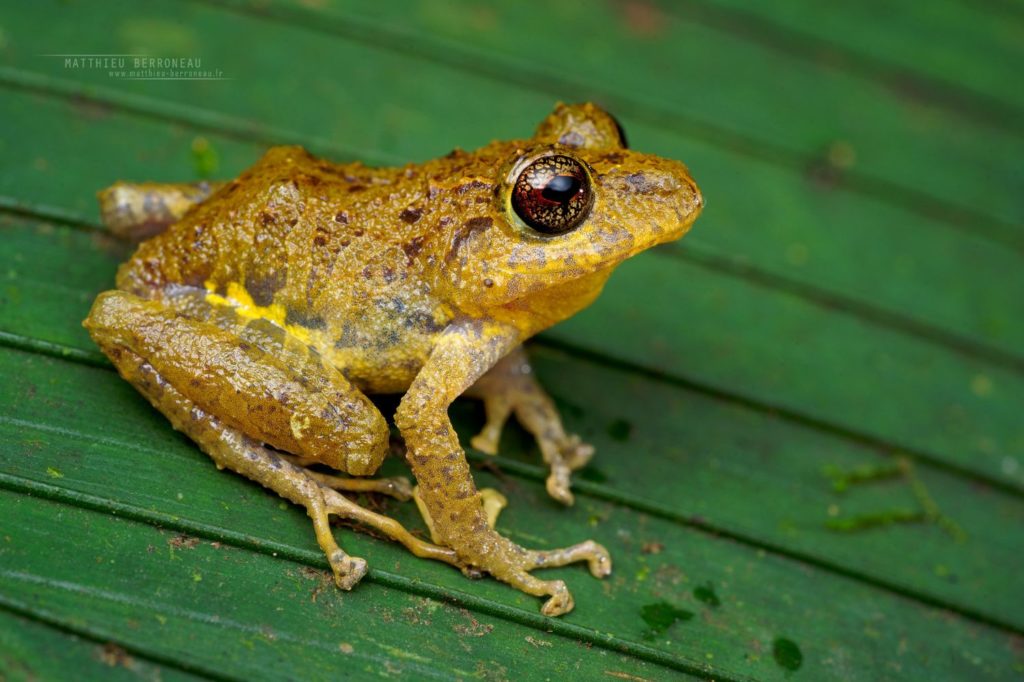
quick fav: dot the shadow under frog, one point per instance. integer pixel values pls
(261, 311)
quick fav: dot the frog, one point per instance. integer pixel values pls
(258, 314)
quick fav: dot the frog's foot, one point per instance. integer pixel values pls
(563, 455)
(316, 492)
(321, 500)
(512, 564)
(343, 507)
(510, 387)
(560, 599)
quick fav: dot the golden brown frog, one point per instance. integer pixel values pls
(264, 309)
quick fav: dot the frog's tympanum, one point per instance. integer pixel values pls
(261, 311)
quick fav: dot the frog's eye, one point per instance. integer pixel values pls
(553, 194)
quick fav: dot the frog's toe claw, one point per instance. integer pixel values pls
(560, 602)
(348, 570)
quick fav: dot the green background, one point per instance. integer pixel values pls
(809, 414)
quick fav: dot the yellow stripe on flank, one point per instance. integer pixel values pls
(241, 302)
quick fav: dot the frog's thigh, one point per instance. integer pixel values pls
(511, 386)
(139, 210)
(313, 413)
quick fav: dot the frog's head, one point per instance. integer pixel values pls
(566, 207)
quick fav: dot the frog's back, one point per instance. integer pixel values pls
(332, 253)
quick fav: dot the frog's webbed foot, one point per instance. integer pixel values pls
(510, 386)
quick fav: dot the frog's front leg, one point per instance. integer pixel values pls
(464, 352)
(511, 386)
(231, 397)
(139, 210)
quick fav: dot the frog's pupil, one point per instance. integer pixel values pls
(561, 188)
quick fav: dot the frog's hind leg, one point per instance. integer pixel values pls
(240, 384)
(137, 211)
(231, 449)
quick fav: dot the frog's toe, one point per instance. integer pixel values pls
(498, 408)
(599, 561)
(560, 602)
(493, 502)
(560, 477)
(559, 598)
(486, 441)
(557, 486)
(348, 570)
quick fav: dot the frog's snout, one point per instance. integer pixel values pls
(687, 199)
